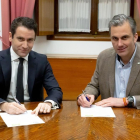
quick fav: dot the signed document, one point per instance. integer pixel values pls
(97, 111)
(23, 119)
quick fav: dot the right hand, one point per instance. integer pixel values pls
(12, 108)
(82, 101)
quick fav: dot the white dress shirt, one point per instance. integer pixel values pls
(13, 83)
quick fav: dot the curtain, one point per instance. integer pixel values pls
(138, 4)
(0, 27)
(109, 8)
(12, 9)
(5, 17)
(74, 15)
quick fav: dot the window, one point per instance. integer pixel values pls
(108, 8)
(94, 34)
(74, 15)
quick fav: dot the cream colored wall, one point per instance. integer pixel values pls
(69, 47)
(92, 48)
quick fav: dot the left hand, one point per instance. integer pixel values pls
(117, 102)
(42, 108)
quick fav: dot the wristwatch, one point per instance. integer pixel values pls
(130, 100)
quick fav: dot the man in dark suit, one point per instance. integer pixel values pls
(24, 73)
(117, 74)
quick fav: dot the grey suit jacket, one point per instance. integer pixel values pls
(103, 81)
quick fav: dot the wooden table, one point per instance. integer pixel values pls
(67, 124)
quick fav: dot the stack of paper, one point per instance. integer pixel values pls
(22, 119)
(97, 111)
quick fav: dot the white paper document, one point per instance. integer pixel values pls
(22, 119)
(97, 111)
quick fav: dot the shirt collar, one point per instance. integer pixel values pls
(14, 56)
(132, 58)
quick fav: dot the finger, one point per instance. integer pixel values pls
(44, 111)
(33, 112)
(43, 107)
(89, 96)
(92, 98)
(82, 101)
(85, 104)
(36, 110)
(48, 109)
(103, 102)
(106, 105)
(20, 107)
(79, 101)
(100, 103)
(41, 110)
(16, 111)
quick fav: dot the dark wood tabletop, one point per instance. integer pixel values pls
(67, 124)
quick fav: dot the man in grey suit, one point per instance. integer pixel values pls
(117, 74)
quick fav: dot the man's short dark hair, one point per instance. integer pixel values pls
(25, 22)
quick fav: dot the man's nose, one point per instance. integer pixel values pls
(24, 45)
(120, 43)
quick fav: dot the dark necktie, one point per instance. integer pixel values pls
(20, 91)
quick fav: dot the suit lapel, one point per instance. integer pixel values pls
(134, 71)
(6, 67)
(111, 66)
(31, 71)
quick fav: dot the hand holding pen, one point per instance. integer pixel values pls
(18, 102)
(85, 100)
(85, 96)
(14, 108)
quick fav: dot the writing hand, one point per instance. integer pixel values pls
(13, 108)
(82, 101)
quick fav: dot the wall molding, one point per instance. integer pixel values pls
(72, 56)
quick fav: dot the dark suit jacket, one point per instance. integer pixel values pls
(39, 75)
(103, 80)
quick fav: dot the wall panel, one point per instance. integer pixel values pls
(72, 75)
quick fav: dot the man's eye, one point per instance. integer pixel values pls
(124, 37)
(115, 38)
(30, 40)
(20, 39)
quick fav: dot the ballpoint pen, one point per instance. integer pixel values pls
(85, 96)
(17, 101)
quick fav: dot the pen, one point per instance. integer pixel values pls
(85, 96)
(17, 101)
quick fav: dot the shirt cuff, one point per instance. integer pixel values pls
(54, 104)
(134, 101)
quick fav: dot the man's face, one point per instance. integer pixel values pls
(123, 41)
(22, 41)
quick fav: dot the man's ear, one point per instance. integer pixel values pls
(135, 37)
(10, 36)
